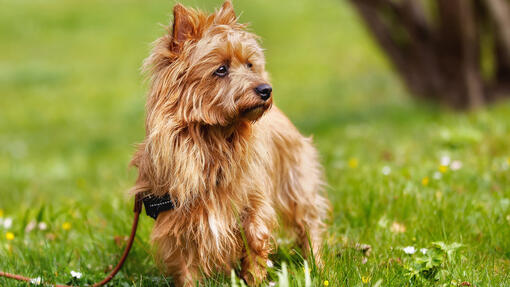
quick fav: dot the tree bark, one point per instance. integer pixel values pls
(439, 58)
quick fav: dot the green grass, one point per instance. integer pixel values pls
(72, 108)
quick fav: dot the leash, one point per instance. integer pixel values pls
(137, 210)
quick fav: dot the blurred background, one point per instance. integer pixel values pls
(393, 92)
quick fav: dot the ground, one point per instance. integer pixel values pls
(403, 175)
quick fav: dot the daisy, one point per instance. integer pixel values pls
(42, 226)
(30, 226)
(7, 222)
(76, 274)
(445, 160)
(409, 250)
(456, 165)
(36, 281)
(386, 170)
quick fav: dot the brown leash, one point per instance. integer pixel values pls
(137, 210)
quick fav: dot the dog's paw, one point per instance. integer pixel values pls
(254, 270)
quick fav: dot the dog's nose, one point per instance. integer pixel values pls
(264, 91)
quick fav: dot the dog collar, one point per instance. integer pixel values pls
(157, 204)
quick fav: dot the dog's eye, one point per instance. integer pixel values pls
(249, 65)
(221, 71)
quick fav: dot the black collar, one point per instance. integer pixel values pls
(157, 204)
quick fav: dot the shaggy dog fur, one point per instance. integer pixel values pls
(230, 162)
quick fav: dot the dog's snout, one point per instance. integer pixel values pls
(264, 91)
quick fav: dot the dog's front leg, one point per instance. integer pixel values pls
(257, 226)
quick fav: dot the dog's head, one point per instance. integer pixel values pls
(209, 70)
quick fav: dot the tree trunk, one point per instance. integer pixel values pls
(438, 54)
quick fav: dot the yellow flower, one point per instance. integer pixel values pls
(9, 236)
(66, 226)
(353, 163)
(425, 181)
(443, 168)
(326, 283)
(365, 279)
(1, 212)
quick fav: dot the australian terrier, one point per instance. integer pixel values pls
(232, 163)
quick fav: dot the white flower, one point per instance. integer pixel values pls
(386, 170)
(7, 223)
(36, 281)
(30, 226)
(424, 251)
(76, 274)
(456, 165)
(445, 160)
(437, 175)
(409, 250)
(269, 263)
(42, 226)
(272, 284)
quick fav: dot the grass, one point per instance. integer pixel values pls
(72, 108)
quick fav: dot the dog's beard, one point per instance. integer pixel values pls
(255, 112)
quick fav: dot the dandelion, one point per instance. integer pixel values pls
(424, 251)
(456, 165)
(7, 223)
(397, 227)
(42, 226)
(36, 281)
(76, 274)
(443, 168)
(269, 263)
(9, 236)
(383, 222)
(425, 181)
(66, 226)
(353, 163)
(409, 250)
(326, 283)
(386, 170)
(437, 175)
(1, 213)
(365, 279)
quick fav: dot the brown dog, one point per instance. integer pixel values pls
(230, 163)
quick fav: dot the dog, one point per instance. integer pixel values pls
(232, 164)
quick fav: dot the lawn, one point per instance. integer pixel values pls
(401, 173)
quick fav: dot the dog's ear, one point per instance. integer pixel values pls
(226, 14)
(183, 27)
